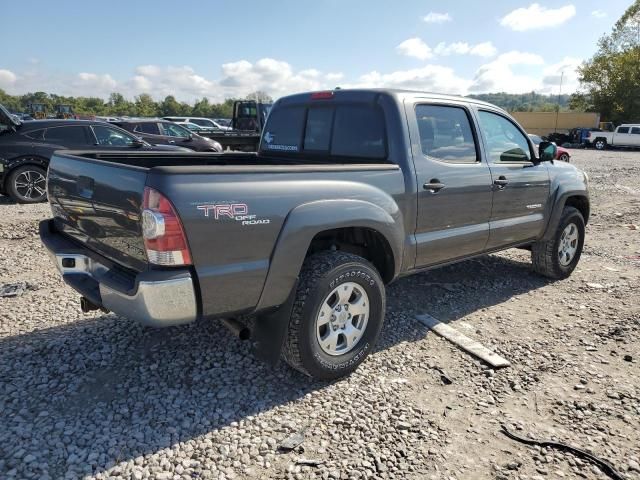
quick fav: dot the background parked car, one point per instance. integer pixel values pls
(196, 128)
(563, 154)
(25, 150)
(225, 122)
(164, 132)
(201, 121)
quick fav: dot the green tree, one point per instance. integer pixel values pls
(170, 106)
(118, 105)
(610, 80)
(202, 108)
(145, 106)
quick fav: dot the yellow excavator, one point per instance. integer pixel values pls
(64, 111)
(37, 110)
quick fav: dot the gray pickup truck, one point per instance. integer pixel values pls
(349, 190)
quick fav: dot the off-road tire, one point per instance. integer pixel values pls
(12, 189)
(544, 254)
(320, 274)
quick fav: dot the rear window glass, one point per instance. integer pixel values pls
(342, 131)
(284, 130)
(359, 132)
(317, 135)
(66, 135)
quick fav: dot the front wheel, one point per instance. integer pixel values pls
(564, 157)
(337, 315)
(557, 257)
(28, 184)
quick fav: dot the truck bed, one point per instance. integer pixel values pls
(96, 200)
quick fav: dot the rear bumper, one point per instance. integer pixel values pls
(154, 298)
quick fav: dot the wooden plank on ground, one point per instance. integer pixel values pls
(464, 342)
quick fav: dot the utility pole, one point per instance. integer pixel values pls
(555, 129)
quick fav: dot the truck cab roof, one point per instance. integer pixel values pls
(362, 94)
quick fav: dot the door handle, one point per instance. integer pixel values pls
(501, 181)
(434, 185)
(171, 141)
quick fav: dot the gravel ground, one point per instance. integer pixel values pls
(96, 396)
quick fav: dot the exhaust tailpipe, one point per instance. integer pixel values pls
(87, 305)
(238, 329)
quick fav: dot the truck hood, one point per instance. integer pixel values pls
(7, 119)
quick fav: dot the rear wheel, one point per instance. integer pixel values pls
(564, 157)
(600, 144)
(557, 257)
(28, 184)
(337, 315)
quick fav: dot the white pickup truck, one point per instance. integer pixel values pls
(627, 135)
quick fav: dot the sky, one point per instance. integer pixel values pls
(221, 49)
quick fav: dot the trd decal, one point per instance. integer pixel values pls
(235, 211)
(230, 210)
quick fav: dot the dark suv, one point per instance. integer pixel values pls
(25, 150)
(163, 132)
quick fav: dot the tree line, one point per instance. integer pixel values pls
(142, 105)
(525, 102)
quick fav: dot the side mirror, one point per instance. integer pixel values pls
(547, 151)
(138, 142)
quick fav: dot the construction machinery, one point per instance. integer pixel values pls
(37, 110)
(64, 111)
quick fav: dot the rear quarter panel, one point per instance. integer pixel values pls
(233, 221)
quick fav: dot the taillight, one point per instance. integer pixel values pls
(164, 238)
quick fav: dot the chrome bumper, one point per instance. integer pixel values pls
(156, 299)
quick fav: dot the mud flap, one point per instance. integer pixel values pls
(270, 330)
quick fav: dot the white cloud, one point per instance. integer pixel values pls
(434, 17)
(500, 75)
(598, 14)
(415, 47)
(141, 84)
(334, 76)
(434, 78)
(148, 70)
(512, 71)
(485, 49)
(535, 17)
(565, 71)
(86, 84)
(7, 78)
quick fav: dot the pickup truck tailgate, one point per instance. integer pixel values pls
(98, 203)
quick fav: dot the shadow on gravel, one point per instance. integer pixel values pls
(101, 391)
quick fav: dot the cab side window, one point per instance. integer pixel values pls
(150, 128)
(72, 135)
(504, 141)
(445, 134)
(173, 130)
